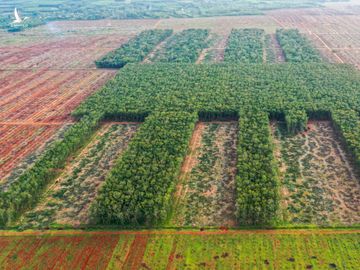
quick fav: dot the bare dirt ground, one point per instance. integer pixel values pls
(206, 192)
(215, 53)
(319, 183)
(279, 53)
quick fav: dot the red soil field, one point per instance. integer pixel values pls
(41, 83)
(71, 252)
(18, 141)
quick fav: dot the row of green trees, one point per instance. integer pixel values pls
(139, 188)
(257, 183)
(296, 47)
(245, 46)
(25, 193)
(184, 47)
(135, 50)
(347, 123)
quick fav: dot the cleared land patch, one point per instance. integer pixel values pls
(206, 193)
(319, 184)
(67, 201)
(21, 146)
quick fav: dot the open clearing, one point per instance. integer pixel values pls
(319, 184)
(206, 192)
(290, 249)
(67, 201)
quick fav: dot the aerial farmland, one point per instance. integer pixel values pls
(180, 134)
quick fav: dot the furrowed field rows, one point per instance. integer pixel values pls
(34, 105)
(68, 199)
(73, 252)
(319, 184)
(220, 25)
(20, 145)
(60, 54)
(46, 95)
(324, 249)
(205, 195)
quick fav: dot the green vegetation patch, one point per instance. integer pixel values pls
(296, 47)
(183, 47)
(245, 46)
(135, 50)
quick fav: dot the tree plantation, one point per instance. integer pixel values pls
(170, 98)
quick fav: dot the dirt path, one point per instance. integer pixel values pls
(190, 159)
(202, 56)
(327, 47)
(279, 53)
(184, 232)
(32, 123)
(151, 55)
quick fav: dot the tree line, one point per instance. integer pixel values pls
(135, 50)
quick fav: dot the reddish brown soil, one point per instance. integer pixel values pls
(185, 232)
(137, 250)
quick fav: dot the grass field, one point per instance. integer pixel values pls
(290, 249)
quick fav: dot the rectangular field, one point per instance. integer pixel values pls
(205, 195)
(319, 184)
(294, 249)
(68, 199)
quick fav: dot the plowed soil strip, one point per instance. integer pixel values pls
(137, 250)
(191, 232)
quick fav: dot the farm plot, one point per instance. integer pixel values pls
(237, 250)
(318, 249)
(59, 53)
(67, 201)
(57, 252)
(206, 193)
(21, 145)
(47, 95)
(220, 25)
(319, 184)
